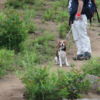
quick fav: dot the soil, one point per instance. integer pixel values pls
(11, 88)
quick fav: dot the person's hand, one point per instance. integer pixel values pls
(78, 16)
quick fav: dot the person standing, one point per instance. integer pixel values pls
(78, 21)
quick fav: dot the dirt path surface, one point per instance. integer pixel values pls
(11, 88)
(2, 4)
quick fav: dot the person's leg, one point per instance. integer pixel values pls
(76, 36)
(84, 36)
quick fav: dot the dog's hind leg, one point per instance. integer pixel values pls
(56, 60)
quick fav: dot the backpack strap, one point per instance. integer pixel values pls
(97, 15)
(96, 10)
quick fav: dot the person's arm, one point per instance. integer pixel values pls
(80, 7)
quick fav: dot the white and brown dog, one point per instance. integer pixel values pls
(61, 57)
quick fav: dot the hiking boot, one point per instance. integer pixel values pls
(87, 55)
(79, 57)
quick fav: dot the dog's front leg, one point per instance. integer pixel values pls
(66, 61)
(60, 61)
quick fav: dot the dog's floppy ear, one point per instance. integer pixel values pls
(65, 42)
(58, 43)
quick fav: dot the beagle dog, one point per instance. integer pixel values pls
(61, 57)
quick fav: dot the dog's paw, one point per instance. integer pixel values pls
(68, 65)
(60, 65)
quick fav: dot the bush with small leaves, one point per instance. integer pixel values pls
(6, 61)
(92, 67)
(42, 84)
(49, 14)
(13, 31)
(63, 30)
(37, 51)
(15, 3)
(21, 3)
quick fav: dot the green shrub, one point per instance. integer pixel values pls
(39, 2)
(27, 59)
(44, 46)
(73, 84)
(15, 3)
(49, 14)
(60, 4)
(56, 5)
(21, 3)
(28, 14)
(6, 61)
(31, 27)
(39, 85)
(13, 31)
(58, 15)
(29, 24)
(58, 11)
(61, 16)
(28, 20)
(36, 51)
(92, 67)
(30, 1)
(42, 84)
(63, 30)
(64, 3)
(18, 3)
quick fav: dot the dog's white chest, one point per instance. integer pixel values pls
(62, 54)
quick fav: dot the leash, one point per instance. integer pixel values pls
(68, 34)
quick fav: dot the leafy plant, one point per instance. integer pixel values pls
(21, 3)
(6, 61)
(42, 84)
(15, 3)
(30, 1)
(92, 67)
(73, 83)
(62, 16)
(13, 31)
(44, 46)
(36, 51)
(49, 14)
(39, 84)
(63, 30)
(28, 16)
(27, 59)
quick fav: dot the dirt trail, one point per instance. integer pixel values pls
(11, 88)
(2, 4)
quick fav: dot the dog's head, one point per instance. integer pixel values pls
(61, 44)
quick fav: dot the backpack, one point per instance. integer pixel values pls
(89, 8)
